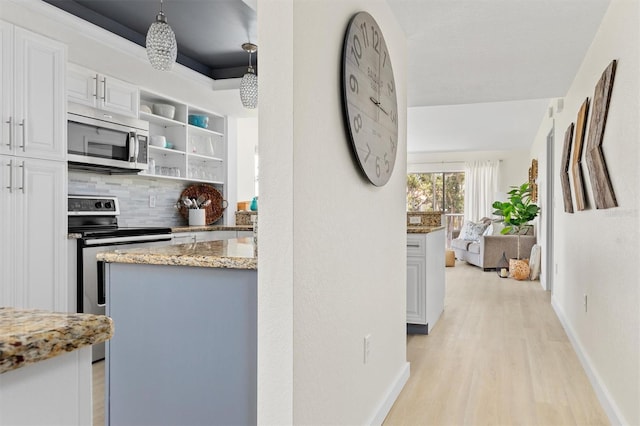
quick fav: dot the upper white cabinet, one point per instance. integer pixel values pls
(33, 103)
(91, 88)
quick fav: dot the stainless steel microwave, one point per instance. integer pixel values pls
(101, 141)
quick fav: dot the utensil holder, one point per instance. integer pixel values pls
(197, 217)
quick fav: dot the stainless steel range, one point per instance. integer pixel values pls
(95, 218)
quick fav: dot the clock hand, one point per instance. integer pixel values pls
(377, 103)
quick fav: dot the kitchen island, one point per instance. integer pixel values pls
(45, 365)
(185, 351)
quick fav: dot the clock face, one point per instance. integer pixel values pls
(369, 98)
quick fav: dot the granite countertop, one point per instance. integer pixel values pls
(423, 229)
(237, 253)
(28, 336)
(176, 229)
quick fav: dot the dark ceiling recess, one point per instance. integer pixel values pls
(209, 33)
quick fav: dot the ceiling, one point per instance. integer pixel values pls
(481, 73)
(209, 33)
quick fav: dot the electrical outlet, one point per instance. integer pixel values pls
(367, 348)
(152, 200)
(585, 302)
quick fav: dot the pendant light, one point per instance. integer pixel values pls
(249, 82)
(161, 43)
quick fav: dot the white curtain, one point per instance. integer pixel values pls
(480, 187)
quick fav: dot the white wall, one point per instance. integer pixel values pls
(247, 143)
(597, 251)
(329, 273)
(514, 168)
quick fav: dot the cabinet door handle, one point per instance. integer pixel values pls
(413, 245)
(24, 137)
(24, 185)
(10, 166)
(10, 123)
(95, 93)
(104, 89)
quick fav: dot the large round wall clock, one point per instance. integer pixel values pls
(369, 98)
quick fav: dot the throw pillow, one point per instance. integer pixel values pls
(471, 231)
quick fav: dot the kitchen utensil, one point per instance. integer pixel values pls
(201, 199)
(205, 204)
(164, 110)
(199, 120)
(158, 140)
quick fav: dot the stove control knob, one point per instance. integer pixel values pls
(98, 204)
(107, 205)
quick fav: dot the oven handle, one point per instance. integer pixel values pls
(102, 300)
(139, 238)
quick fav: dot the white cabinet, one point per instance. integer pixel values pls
(32, 92)
(425, 280)
(33, 230)
(91, 88)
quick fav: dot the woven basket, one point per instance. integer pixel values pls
(214, 210)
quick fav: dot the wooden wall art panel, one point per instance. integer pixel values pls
(598, 174)
(533, 180)
(576, 165)
(564, 170)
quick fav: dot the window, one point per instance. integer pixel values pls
(438, 192)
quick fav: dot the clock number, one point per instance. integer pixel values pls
(357, 122)
(384, 58)
(356, 49)
(353, 83)
(365, 35)
(390, 87)
(394, 117)
(393, 144)
(386, 161)
(377, 166)
(376, 40)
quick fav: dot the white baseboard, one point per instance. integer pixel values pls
(391, 396)
(604, 396)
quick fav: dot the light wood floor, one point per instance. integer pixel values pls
(497, 356)
(98, 393)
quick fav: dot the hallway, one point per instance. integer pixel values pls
(497, 356)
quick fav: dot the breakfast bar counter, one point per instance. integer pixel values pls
(238, 253)
(45, 365)
(185, 351)
(28, 336)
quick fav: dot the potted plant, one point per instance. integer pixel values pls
(516, 214)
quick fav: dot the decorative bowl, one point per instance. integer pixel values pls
(158, 140)
(164, 110)
(199, 120)
(145, 108)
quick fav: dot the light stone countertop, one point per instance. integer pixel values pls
(237, 253)
(423, 229)
(28, 336)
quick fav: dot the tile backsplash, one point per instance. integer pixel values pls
(133, 193)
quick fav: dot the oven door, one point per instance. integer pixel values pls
(91, 297)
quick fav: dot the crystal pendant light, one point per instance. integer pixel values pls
(161, 43)
(249, 82)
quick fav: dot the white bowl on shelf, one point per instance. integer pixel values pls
(145, 108)
(158, 140)
(164, 110)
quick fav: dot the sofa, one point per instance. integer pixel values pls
(484, 245)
